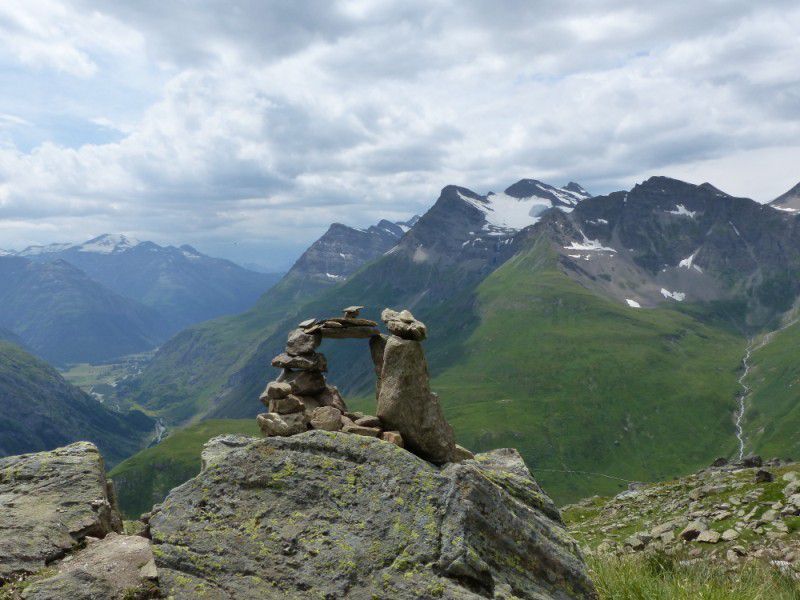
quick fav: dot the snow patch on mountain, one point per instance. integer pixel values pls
(589, 245)
(688, 262)
(406, 225)
(682, 211)
(521, 204)
(677, 296)
(633, 303)
(505, 213)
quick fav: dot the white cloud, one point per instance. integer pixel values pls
(266, 121)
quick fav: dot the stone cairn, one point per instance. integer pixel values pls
(409, 414)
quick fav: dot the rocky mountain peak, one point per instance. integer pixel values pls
(342, 250)
(788, 200)
(108, 243)
(577, 188)
(682, 243)
(532, 188)
(712, 188)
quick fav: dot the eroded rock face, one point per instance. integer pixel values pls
(406, 404)
(119, 567)
(332, 515)
(50, 502)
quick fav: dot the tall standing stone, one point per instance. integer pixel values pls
(406, 404)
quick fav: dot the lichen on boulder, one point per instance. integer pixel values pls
(332, 515)
(49, 503)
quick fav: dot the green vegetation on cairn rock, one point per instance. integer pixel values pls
(578, 382)
(145, 479)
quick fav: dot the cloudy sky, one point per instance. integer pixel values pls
(245, 127)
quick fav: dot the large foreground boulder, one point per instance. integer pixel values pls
(330, 515)
(49, 503)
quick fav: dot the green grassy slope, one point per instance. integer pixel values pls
(39, 411)
(64, 316)
(772, 417)
(189, 371)
(577, 382)
(145, 478)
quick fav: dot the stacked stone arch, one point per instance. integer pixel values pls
(408, 414)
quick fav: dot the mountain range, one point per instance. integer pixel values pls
(603, 336)
(114, 295)
(183, 285)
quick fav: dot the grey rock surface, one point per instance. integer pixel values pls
(404, 325)
(328, 418)
(300, 342)
(274, 424)
(304, 382)
(406, 404)
(49, 503)
(118, 567)
(310, 362)
(332, 515)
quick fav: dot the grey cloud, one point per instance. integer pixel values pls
(267, 120)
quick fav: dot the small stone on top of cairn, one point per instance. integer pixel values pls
(351, 312)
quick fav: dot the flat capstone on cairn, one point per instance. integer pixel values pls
(409, 415)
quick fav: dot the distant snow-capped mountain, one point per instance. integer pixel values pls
(32, 251)
(108, 244)
(184, 285)
(104, 244)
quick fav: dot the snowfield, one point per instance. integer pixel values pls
(506, 212)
